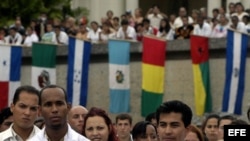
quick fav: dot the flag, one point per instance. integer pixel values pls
(153, 74)
(200, 63)
(235, 72)
(119, 79)
(10, 69)
(78, 67)
(43, 71)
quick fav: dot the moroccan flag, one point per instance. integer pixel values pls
(235, 72)
(10, 69)
(119, 80)
(43, 71)
(78, 68)
(153, 74)
(200, 57)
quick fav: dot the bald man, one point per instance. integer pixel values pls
(76, 116)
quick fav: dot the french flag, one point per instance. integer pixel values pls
(10, 69)
(235, 72)
(78, 67)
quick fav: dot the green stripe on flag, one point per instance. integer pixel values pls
(44, 55)
(150, 102)
(204, 67)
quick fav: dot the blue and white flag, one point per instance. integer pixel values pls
(10, 70)
(235, 72)
(78, 67)
(119, 79)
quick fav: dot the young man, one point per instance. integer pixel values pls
(224, 120)
(54, 109)
(173, 119)
(76, 117)
(25, 107)
(123, 127)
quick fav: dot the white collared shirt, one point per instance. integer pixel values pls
(71, 135)
(11, 135)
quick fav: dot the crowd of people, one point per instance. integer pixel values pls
(130, 26)
(46, 115)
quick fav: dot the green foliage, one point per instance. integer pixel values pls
(31, 9)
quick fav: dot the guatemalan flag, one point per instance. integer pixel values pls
(235, 72)
(10, 69)
(78, 66)
(119, 80)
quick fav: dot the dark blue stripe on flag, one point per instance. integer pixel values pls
(229, 69)
(85, 70)
(241, 85)
(70, 76)
(15, 63)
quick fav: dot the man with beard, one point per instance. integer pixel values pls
(54, 109)
(123, 127)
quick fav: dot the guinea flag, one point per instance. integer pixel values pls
(153, 74)
(43, 71)
(200, 57)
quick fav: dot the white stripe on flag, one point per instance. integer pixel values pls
(13, 85)
(5, 63)
(79, 52)
(119, 76)
(37, 71)
(236, 67)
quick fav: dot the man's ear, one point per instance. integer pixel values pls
(12, 107)
(69, 106)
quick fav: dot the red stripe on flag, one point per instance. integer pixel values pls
(4, 88)
(199, 49)
(154, 51)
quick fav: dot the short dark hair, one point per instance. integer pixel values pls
(124, 22)
(175, 106)
(123, 116)
(226, 117)
(116, 18)
(26, 88)
(146, 20)
(239, 122)
(53, 86)
(140, 128)
(5, 113)
(150, 116)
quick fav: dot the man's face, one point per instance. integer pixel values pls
(12, 32)
(221, 127)
(6, 123)
(54, 108)
(182, 12)
(124, 27)
(25, 111)
(76, 117)
(171, 127)
(123, 128)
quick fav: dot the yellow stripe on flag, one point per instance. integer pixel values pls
(199, 91)
(152, 78)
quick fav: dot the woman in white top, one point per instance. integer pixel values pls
(93, 34)
(220, 29)
(106, 33)
(240, 13)
(165, 30)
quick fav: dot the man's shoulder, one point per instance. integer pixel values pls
(5, 134)
(74, 136)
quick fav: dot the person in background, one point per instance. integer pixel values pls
(194, 15)
(179, 20)
(30, 37)
(155, 15)
(126, 32)
(237, 25)
(171, 21)
(60, 37)
(144, 131)
(210, 127)
(130, 18)
(224, 120)
(109, 18)
(3, 35)
(220, 30)
(82, 32)
(202, 28)
(185, 31)
(173, 120)
(116, 24)
(138, 16)
(194, 134)
(151, 118)
(240, 11)
(98, 126)
(25, 108)
(148, 29)
(165, 30)
(231, 8)
(14, 37)
(123, 127)
(48, 36)
(93, 34)
(76, 117)
(6, 119)
(18, 26)
(215, 13)
(106, 33)
(139, 31)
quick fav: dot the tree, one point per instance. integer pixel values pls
(31, 9)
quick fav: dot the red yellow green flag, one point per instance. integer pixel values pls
(200, 57)
(153, 72)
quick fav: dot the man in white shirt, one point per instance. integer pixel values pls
(126, 32)
(155, 17)
(14, 37)
(202, 28)
(178, 21)
(25, 107)
(54, 109)
(238, 25)
(60, 37)
(31, 37)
